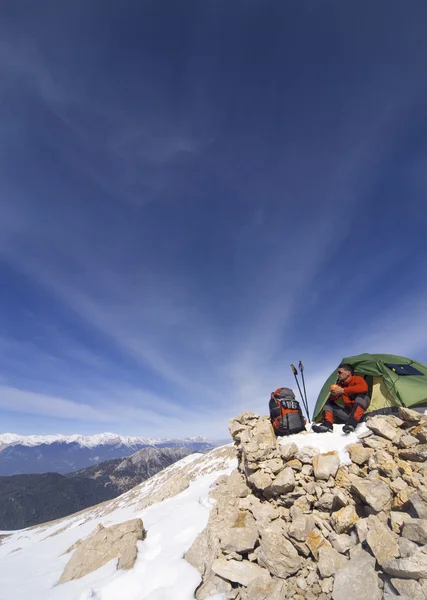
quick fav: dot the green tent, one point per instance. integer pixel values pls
(393, 381)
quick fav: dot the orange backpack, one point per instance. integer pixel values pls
(285, 413)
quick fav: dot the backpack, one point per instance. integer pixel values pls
(285, 413)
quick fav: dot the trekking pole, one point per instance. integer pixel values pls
(301, 368)
(295, 372)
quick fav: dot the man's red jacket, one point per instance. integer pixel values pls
(354, 386)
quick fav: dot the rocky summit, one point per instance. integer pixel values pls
(290, 522)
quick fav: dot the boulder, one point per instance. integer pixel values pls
(105, 544)
(415, 454)
(386, 464)
(359, 454)
(330, 561)
(305, 454)
(242, 572)
(276, 553)
(326, 465)
(342, 542)
(288, 451)
(260, 480)
(411, 589)
(415, 530)
(382, 427)
(301, 526)
(358, 579)
(344, 519)
(211, 585)
(378, 495)
(411, 416)
(282, 484)
(239, 539)
(411, 567)
(418, 502)
(382, 542)
(315, 540)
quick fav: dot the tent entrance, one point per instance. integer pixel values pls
(381, 397)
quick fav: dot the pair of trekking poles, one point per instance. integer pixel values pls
(303, 398)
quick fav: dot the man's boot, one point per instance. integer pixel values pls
(323, 427)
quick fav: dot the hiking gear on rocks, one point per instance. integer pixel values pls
(393, 381)
(295, 372)
(348, 428)
(285, 412)
(322, 427)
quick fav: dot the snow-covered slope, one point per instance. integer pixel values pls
(32, 560)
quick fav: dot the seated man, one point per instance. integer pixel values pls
(353, 391)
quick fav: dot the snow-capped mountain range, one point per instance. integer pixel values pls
(90, 441)
(64, 454)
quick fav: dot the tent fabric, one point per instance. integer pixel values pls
(388, 388)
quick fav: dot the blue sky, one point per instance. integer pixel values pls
(193, 195)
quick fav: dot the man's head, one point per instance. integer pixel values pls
(345, 371)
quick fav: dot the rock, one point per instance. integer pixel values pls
(407, 441)
(236, 483)
(411, 567)
(326, 465)
(377, 495)
(260, 480)
(415, 530)
(359, 454)
(211, 585)
(386, 464)
(411, 589)
(418, 502)
(362, 529)
(242, 572)
(325, 502)
(315, 540)
(344, 519)
(343, 542)
(262, 511)
(397, 519)
(295, 464)
(301, 526)
(288, 451)
(415, 454)
(411, 416)
(421, 433)
(357, 580)
(264, 589)
(330, 561)
(382, 542)
(276, 553)
(105, 543)
(381, 427)
(239, 539)
(407, 548)
(305, 454)
(282, 484)
(398, 485)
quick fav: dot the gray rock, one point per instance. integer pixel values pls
(397, 519)
(383, 543)
(409, 588)
(378, 495)
(242, 572)
(326, 465)
(105, 543)
(343, 542)
(330, 561)
(359, 454)
(276, 553)
(260, 480)
(411, 567)
(382, 427)
(407, 441)
(325, 502)
(411, 416)
(288, 451)
(416, 453)
(415, 530)
(418, 501)
(239, 539)
(211, 585)
(305, 454)
(301, 526)
(282, 484)
(407, 548)
(357, 580)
